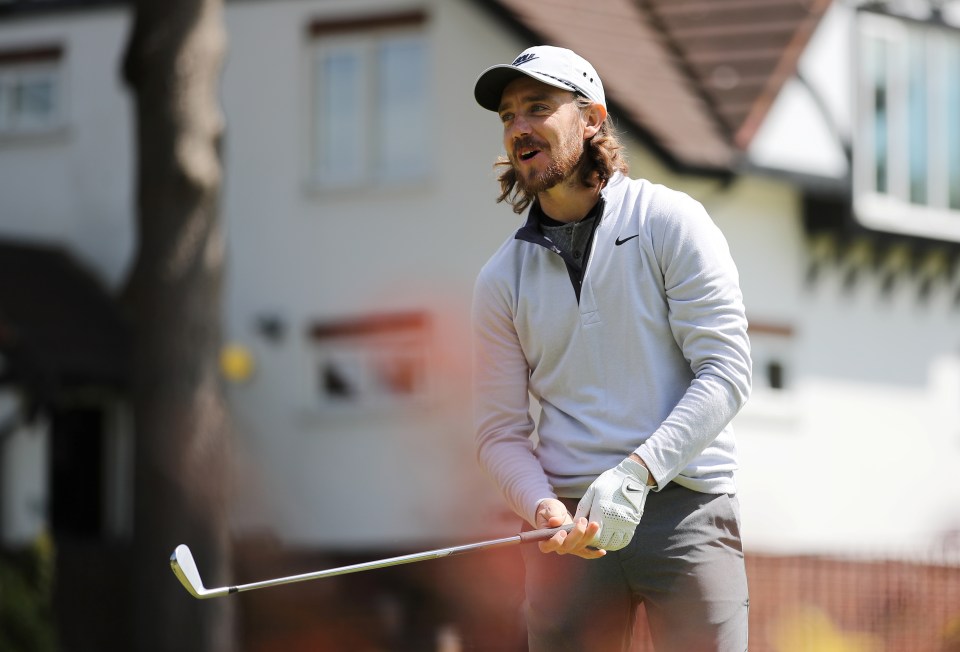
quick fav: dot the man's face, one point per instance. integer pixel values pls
(543, 132)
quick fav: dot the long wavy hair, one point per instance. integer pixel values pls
(603, 155)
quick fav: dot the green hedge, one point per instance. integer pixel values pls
(26, 598)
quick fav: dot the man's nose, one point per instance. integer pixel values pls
(519, 127)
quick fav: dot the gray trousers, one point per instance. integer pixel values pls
(685, 564)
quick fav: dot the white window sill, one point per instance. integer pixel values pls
(884, 213)
(14, 138)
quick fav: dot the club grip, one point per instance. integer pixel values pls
(544, 534)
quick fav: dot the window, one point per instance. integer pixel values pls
(774, 407)
(31, 94)
(771, 346)
(370, 101)
(907, 143)
(372, 361)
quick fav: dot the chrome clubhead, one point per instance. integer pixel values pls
(185, 568)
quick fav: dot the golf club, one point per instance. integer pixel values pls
(185, 568)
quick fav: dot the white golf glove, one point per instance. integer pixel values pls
(615, 501)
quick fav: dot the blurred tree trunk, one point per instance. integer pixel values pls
(182, 463)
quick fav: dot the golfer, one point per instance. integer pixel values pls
(617, 307)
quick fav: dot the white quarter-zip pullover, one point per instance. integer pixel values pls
(653, 358)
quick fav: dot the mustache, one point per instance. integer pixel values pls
(527, 142)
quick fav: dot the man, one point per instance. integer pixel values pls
(617, 307)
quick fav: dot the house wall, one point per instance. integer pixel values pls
(75, 184)
(808, 125)
(825, 465)
(306, 256)
(873, 357)
(72, 186)
(852, 455)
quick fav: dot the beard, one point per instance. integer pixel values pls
(565, 160)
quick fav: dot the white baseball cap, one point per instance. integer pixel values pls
(551, 65)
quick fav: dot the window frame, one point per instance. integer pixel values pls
(892, 209)
(18, 65)
(365, 36)
(366, 349)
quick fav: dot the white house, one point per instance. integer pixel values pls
(823, 138)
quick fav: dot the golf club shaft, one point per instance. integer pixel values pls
(523, 537)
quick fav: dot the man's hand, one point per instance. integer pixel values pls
(552, 513)
(615, 500)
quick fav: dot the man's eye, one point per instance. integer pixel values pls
(506, 117)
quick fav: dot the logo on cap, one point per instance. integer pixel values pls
(524, 58)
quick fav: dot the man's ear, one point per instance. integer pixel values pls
(593, 117)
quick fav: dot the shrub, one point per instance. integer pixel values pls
(26, 598)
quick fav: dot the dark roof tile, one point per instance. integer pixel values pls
(726, 42)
